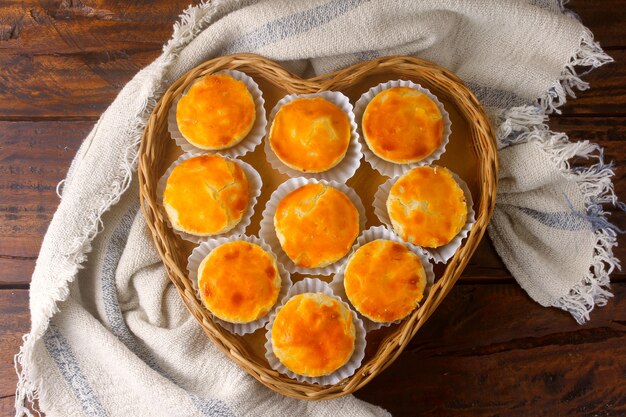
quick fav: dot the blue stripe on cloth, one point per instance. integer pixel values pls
(118, 326)
(562, 220)
(367, 55)
(496, 97)
(306, 20)
(62, 354)
(211, 408)
(292, 25)
(112, 257)
(112, 308)
(595, 212)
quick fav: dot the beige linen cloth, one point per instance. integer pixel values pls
(110, 336)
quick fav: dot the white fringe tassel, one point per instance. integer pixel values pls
(528, 123)
(193, 20)
(589, 55)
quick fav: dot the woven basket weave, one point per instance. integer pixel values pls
(479, 157)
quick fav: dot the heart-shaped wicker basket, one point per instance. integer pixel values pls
(471, 153)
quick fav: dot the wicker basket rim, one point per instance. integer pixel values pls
(151, 152)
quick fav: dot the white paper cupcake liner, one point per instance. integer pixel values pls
(443, 253)
(371, 234)
(310, 285)
(203, 250)
(387, 168)
(254, 183)
(247, 144)
(341, 172)
(268, 233)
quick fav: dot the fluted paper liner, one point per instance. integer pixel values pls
(248, 143)
(311, 285)
(443, 253)
(268, 232)
(371, 234)
(341, 172)
(387, 168)
(202, 251)
(254, 184)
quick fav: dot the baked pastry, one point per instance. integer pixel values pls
(310, 134)
(206, 195)
(402, 125)
(313, 334)
(239, 281)
(316, 225)
(217, 112)
(384, 280)
(427, 207)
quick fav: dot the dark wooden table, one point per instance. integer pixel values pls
(488, 350)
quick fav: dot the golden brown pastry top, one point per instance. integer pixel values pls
(384, 280)
(310, 134)
(239, 281)
(313, 334)
(316, 225)
(427, 206)
(402, 125)
(217, 112)
(206, 195)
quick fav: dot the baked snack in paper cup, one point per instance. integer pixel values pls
(401, 125)
(383, 278)
(312, 224)
(314, 336)
(208, 195)
(431, 207)
(219, 113)
(314, 136)
(239, 280)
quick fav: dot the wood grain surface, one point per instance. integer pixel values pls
(488, 350)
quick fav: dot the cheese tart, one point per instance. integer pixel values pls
(310, 134)
(206, 195)
(427, 206)
(402, 125)
(217, 112)
(384, 280)
(316, 225)
(239, 281)
(313, 334)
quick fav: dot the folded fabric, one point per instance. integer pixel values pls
(110, 335)
(549, 226)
